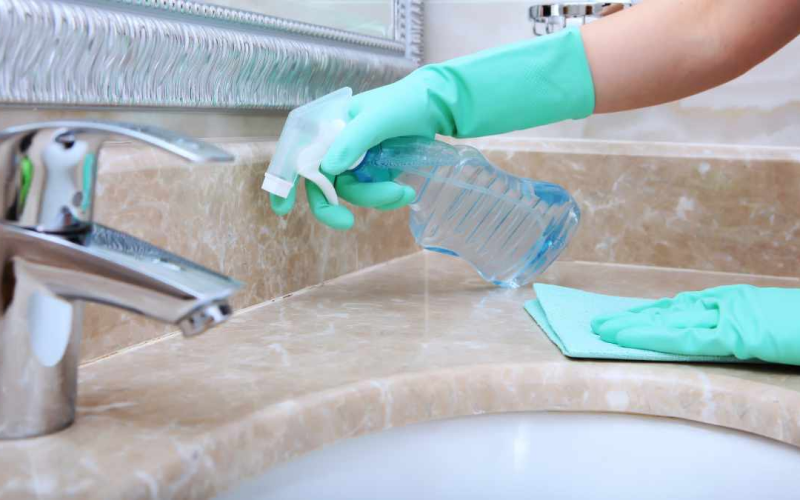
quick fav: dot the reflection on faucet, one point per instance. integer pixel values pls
(109, 267)
(53, 258)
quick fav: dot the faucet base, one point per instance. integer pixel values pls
(39, 355)
(15, 434)
(53, 257)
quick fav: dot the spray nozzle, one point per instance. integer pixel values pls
(308, 133)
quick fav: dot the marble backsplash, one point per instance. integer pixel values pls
(218, 216)
(721, 208)
(715, 208)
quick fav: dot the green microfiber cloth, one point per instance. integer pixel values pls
(565, 315)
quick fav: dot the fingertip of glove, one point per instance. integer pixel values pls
(281, 206)
(332, 167)
(408, 195)
(336, 217)
(609, 336)
(597, 322)
(606, 333)
(647, 338)
(358, 136)
(343, 224)
(337, 161)
(345, 180)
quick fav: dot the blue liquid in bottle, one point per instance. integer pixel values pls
(510, 229)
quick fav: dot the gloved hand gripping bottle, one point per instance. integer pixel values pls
(510, 229)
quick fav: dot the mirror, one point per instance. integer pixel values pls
(367, 17)
(185, 54)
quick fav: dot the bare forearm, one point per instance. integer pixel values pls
(664, 50)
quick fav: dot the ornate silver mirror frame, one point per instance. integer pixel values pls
(185, 54)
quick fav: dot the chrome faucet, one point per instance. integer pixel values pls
(53, 257)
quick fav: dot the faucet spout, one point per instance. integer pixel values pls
(53, 258)
(109, 267)
(45, 281)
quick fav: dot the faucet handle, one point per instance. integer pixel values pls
(48, 170)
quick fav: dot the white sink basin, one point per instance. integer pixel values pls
(539, 456)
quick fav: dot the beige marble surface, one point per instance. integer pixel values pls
(716, 208)
(218, 216)
(417, 339)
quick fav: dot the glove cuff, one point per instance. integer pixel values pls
(523, 85)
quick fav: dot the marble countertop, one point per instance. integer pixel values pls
(417, 339)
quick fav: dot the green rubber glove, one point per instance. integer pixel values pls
(740, 320)
(379, 195)
(539, 81)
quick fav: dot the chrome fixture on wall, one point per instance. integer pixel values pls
(551, 17)
(53, 257)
